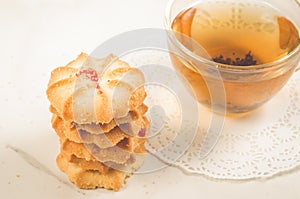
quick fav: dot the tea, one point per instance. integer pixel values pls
(241, 33)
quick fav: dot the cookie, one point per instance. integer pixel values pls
(80, 95)
(91, 179)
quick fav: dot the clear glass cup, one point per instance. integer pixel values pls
(245, 87)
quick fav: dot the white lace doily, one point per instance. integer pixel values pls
(261, 144)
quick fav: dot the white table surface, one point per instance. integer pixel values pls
(37, 36)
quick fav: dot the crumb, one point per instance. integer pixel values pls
(145, 185)
(18, 175)
(81, 192)
(153, 182)
(58, 186)
(8, 183)
(147, 193)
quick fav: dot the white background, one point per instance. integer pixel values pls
(36, 37)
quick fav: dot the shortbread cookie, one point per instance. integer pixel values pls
(103, 128)
(80, 136)
(104, 167)
(78, 94)
(86, 165)
(106, 127)
(89, 179)
(102, 140)
(91, 152)
(118, 154)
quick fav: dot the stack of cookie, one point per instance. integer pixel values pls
(99, 119)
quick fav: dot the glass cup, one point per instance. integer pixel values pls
(244, 88)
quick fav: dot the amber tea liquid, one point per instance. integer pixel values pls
(233, 32)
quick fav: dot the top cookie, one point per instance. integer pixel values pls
(91, 90)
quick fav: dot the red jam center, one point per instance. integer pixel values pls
(142, 132)
(90, 74)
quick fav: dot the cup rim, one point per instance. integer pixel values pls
(270, 65)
